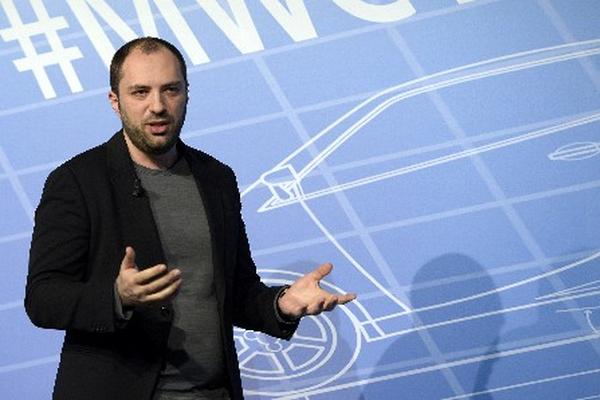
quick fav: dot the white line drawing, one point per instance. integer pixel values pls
(12, 304)
(268, 348)
(436, 367)
(16, 185)
(285, 181)
(290, 171)
(29, 364)
(586, 287)
(525, 384)
(317, 357)
(587, 312)
(575, 151)
(588, 315)
(315, 345)
(286, 184)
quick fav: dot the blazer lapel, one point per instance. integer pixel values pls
(138, 227)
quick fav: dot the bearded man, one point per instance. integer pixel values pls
(140, 254)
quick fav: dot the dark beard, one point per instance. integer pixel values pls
(139, 140)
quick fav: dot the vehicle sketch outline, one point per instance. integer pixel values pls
(284, 182)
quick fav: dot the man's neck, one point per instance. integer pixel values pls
(152, 161)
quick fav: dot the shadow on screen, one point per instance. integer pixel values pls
(447, 277)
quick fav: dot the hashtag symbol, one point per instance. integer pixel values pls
(33, 61)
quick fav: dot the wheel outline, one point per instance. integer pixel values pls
(353, 321)
(329, 330)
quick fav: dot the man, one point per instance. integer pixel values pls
(139, 252)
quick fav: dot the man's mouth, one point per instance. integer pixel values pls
(158, 127)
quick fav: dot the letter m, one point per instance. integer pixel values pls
(84, 12)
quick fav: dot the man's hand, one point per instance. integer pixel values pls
(151, 285)
(305, 296)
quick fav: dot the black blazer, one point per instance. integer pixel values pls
(89, 211)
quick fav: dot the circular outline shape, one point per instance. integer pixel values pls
(353, 321)
(330, 330)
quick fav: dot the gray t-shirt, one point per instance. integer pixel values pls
(195, 348)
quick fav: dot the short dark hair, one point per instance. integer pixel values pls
(147, 45)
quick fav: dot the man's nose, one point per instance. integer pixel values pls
(157, 103)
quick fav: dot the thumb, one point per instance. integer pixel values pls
(321, 271)
(128, 259)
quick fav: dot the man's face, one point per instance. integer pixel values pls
(152, 100)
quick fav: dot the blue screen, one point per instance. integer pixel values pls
(443, 155)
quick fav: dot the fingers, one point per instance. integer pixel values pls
(156, 285)
(330, 303)
(321, 271)
(346, 298)
(149, 274)
(152, 284)
(158, 289)
(296, 305)
(165, 293)
(306, 297)
(327, 302)
(128, 258)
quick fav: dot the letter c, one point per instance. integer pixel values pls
(395, 11)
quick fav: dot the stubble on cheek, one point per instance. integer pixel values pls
(143, 140)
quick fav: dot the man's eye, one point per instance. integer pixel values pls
(173, 89)
(139, 93)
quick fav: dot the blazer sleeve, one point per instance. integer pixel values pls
(59, 291)
(254, 302)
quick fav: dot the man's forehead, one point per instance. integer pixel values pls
(157, 65)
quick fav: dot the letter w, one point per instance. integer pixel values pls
(83, 12)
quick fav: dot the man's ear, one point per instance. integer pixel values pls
(114, 101)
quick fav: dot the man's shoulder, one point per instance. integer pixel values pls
(96, 159)
(207, 161)
(87, 161)
(213, 170)
(88, 168)
(203, 157)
